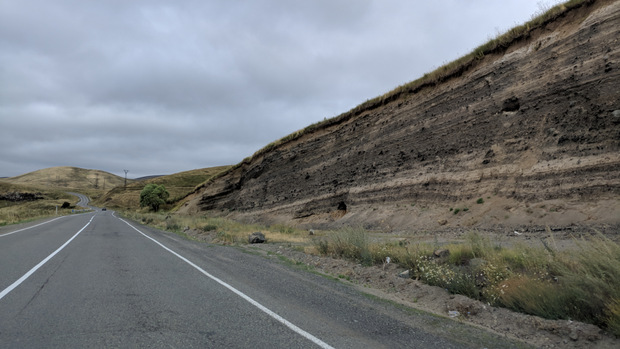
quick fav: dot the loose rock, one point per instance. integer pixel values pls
(256, 238)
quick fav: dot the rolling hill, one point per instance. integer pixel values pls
(178, 185)
(69, 178)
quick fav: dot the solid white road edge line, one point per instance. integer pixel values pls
(287, 323)
(27, 275)
(17, 231)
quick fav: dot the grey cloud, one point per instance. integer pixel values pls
(162, 87)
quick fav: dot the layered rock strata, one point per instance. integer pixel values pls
(535, 123)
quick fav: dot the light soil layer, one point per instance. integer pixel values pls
(533, 131)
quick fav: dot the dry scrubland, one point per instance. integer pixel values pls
(579, 282)
(43, 203)
(67, 178)
(39, 192)
(179, 185)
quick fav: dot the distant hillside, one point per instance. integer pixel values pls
(147, 177)
(178, 185)
(22, 202)
(69, 178)
(523, 131)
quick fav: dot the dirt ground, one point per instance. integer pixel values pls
(384, 282)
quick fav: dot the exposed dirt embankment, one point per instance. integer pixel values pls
(533, 131)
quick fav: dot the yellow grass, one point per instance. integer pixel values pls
(16, 212)
(440, 75)
(179, 185)
(67, 178)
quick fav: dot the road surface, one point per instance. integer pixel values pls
(95, 280)
(83, 200)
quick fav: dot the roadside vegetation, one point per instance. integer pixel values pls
(153, 196)
(218, 230)
(178, 185)
(19, 203)
(581, 283)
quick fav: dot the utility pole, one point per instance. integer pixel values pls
(126, 177)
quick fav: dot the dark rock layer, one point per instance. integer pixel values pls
(540, 121)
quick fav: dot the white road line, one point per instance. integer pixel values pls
(27, 275)
(287, 323)
(17, 231)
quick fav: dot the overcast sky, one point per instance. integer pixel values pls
(159, 87)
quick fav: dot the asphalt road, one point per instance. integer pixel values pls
(94, 280)
(83, 200)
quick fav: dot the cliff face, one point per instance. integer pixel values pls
(530, 129)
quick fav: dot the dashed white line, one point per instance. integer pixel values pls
(282, 320)
(36, 267)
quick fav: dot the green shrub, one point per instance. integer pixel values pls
(209, 227)
(322, 246)
(581, 284)
(460, 254)
(591, 278)
(153, 196)
(535, 297)
(613, 316)
(352, 244)
(348, 243)
(480, 201)
(173, 225)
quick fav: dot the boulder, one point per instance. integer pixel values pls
(256, 238)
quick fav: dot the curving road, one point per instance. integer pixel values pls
(95, 280)
(83, 200)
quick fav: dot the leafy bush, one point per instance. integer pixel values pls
(153, 196)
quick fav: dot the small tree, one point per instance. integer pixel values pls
(153, 195)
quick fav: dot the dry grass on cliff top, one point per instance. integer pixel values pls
(440, 75)
(446, 72)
